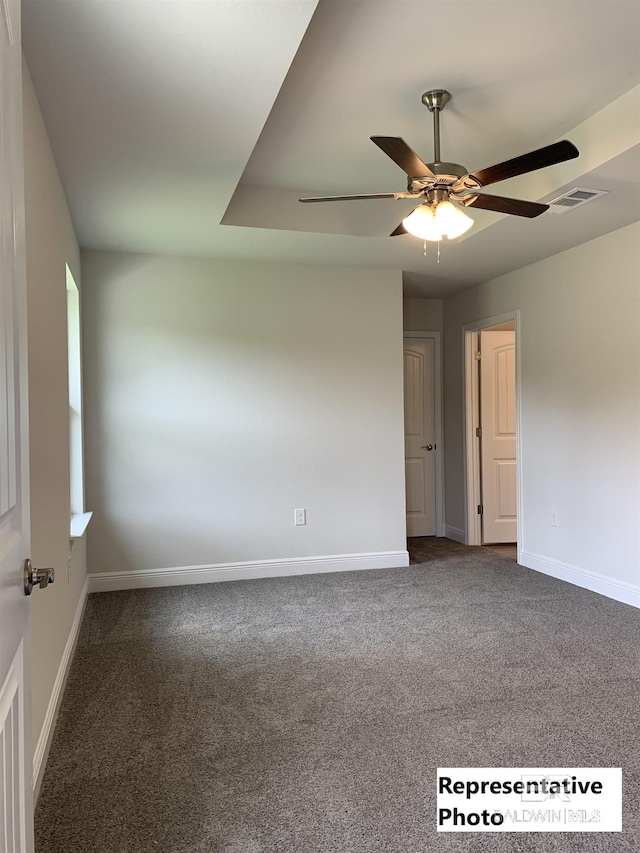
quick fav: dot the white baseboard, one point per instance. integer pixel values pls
(44, 740)
(627, 593)
(454, 533)
(146, 578)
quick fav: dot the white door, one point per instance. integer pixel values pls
(498, 422)
(419, 436)
(16, 810)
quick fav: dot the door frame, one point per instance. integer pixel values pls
(470, 420)
(437, 420)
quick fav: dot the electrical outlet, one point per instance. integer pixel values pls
(554, 517)
(300, 517)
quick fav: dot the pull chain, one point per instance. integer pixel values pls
(424, 251)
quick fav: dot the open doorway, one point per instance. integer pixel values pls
(492, 435)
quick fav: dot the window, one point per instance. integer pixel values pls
(75, 405)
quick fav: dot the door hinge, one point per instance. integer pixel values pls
(480, 509)
(477, 355)
(479, 432)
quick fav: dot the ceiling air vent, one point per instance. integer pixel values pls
(572, 199)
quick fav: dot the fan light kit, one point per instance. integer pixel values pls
(447, 187)
(445, 220)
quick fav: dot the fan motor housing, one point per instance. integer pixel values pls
(446, 175)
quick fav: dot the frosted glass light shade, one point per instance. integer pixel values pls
(446, 221)
(422, 223)
(451, 221)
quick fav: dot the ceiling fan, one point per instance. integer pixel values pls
(440, 183)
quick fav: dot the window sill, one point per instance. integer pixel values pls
(79, 524)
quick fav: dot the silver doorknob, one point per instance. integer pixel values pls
(41, 577)
(427, 447)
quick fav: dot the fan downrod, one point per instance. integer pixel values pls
(435, 101)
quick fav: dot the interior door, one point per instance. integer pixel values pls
(498, 422)
(419, 436)
(16, 811)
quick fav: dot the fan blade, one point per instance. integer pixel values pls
(348, 197)
(399, 230)
(515, 206)
(403, 156)
(548, 156)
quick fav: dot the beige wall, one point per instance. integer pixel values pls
(422, 315)
(50, 244)
(221, 395)
(580, 387)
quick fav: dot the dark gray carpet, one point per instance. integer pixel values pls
(308, 715)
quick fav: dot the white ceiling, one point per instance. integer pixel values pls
(170, 117)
